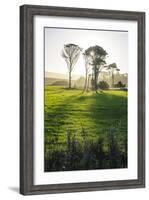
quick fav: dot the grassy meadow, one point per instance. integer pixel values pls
(85, 131)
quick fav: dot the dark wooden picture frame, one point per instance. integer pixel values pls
(27, 13)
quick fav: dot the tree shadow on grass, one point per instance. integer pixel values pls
(109, 108)
(99, 106)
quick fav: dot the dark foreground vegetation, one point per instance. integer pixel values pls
(85, 154)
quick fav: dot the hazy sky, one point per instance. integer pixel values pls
(115, 43)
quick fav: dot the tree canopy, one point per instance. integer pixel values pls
(71, 53)
(96, 56)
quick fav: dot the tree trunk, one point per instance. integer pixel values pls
(88, 83)
(85, 85)
(112, 79)
(92, 81)
(96, 86)
(69, 79)
(95, 79)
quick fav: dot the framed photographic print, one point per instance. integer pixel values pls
(82, 99)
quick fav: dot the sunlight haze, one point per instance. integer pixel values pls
(114, 42)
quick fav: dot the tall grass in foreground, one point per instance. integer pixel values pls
(87, 153)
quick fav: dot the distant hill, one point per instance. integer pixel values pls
(52, 81)
(52, 78)
(60, 76)
(60, 83)
(55, 75)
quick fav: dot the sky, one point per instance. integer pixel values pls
(114, 42)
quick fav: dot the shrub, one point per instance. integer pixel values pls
(119, 85)
(103, 85)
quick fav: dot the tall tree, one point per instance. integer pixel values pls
(71, 53)
(87, 69)
(112, 68)
(97, 56)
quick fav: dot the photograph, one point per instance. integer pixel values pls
(85, 99)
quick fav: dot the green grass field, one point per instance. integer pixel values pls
(71, 110)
